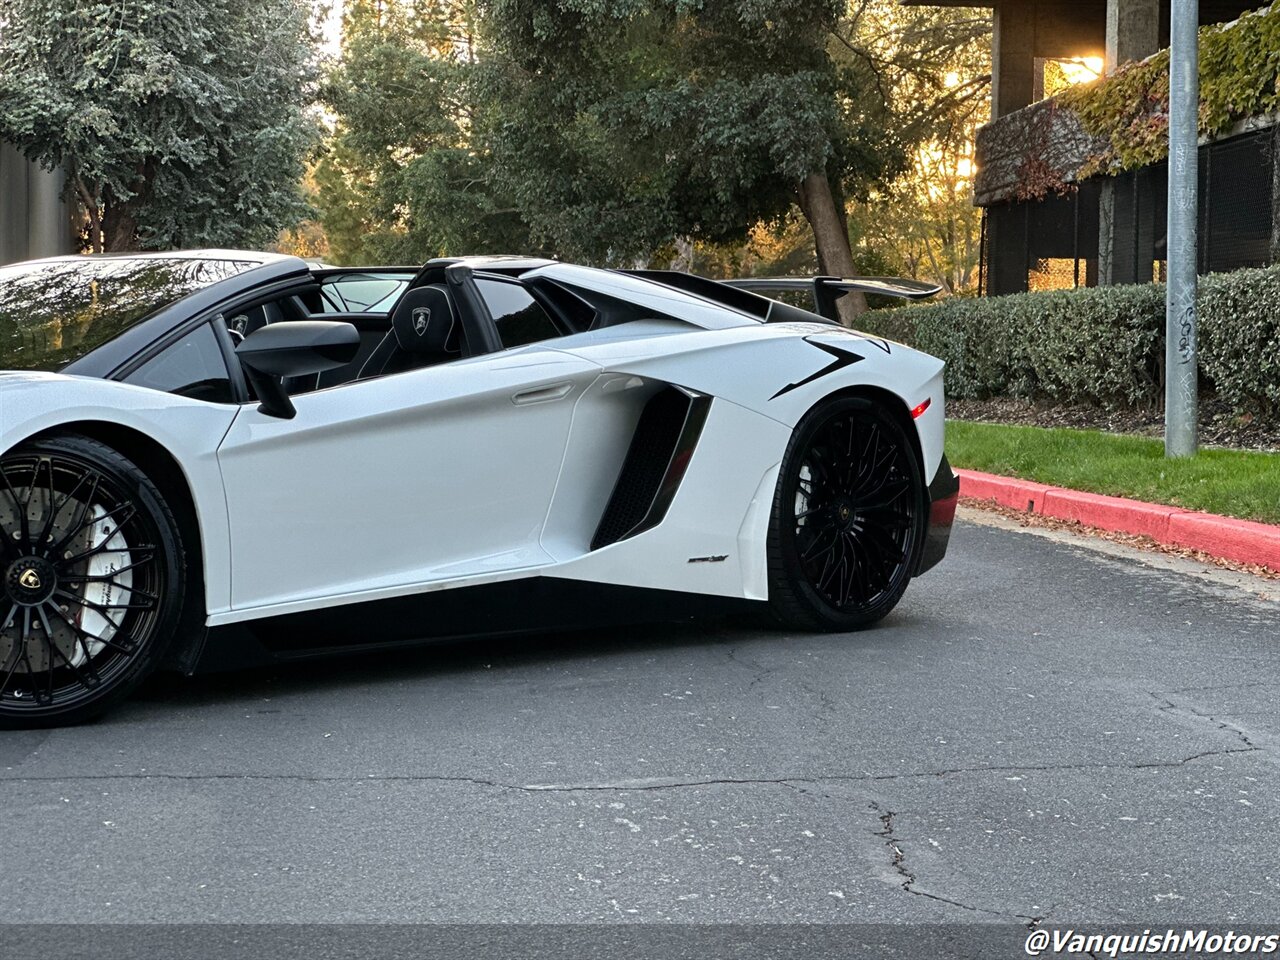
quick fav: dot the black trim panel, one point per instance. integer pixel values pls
(713, 290)
(529, 605)
(661, 448)
(944, 494)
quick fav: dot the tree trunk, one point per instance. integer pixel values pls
(119, 226)
(831, 240)
(683, 262)
(89, 200)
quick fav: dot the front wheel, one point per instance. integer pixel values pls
(848, 518)
(91, 580)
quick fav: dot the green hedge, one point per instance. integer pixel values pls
(1100, 345)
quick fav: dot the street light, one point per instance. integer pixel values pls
(1181, 379)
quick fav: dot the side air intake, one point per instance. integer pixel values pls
(660, 451)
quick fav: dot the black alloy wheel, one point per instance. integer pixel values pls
(90, 580)
(848, 518)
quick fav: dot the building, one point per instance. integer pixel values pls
(1104, 229)
(34, 220)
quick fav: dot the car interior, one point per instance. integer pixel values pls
(427, 319)
(421, 330)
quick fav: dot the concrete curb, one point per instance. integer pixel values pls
(1240, 540)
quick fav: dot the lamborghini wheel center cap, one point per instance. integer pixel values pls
(846, 516)
(30, 581)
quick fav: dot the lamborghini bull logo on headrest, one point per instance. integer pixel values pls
(30, 579)
(421, 317)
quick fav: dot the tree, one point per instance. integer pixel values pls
(708, 136)
(404, 177)
(934, 66)
(629, 123)
(178, 124)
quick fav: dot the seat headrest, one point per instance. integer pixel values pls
(424, 321)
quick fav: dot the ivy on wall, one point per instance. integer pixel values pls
(1128, 111)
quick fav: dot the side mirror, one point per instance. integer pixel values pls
(293, 349)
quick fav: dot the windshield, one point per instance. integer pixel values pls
(54, 312)
(362, 292)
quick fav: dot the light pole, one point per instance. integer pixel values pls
(1181, 383)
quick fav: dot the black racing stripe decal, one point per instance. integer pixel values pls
(879, 344)
(843, 358)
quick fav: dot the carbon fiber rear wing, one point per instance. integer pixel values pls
(754, 295)
(826, 291)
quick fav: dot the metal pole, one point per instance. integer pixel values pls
(1181, 384)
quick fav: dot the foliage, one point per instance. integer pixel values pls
(924, 223)
(1101, 345)
(624, 131)
(404, 176)
(178, 124)
(626, 124)
(1233, 483)
(1239, 338)
(931, 69)
(1129, 110)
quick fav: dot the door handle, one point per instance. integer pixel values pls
(557, 391)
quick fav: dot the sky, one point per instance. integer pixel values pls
(330, 13)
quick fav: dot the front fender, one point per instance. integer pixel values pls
(35, 403)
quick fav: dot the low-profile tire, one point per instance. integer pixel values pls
(92, 575)
(848, 518)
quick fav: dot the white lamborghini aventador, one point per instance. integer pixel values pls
(220, 458)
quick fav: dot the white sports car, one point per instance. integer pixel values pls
(218, 459)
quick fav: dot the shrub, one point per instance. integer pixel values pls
(1240, 338)
(1100, 345)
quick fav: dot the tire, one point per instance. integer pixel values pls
(92, 575)
(848, 518)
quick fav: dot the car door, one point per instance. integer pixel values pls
(385, 485)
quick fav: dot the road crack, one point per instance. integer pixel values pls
(760, 670)
(1165, 705)
(647, 784)
(909, 883)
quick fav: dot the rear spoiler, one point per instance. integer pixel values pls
(826, 291)
(753, 295)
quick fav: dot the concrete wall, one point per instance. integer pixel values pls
(34, 221)
(1029, 32)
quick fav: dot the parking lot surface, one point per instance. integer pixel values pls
(1041, 733)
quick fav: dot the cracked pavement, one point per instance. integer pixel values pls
(1044, 732)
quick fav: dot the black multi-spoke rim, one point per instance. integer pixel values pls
(855, 511)
(80, 581)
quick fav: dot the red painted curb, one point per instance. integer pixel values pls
(1008, 492)
(1111, 513)
(1240, 540)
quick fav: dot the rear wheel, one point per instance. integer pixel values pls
(848, 518)
(91, 580)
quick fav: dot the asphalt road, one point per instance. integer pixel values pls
(1041, 732)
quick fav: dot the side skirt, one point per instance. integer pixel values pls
(526, 606)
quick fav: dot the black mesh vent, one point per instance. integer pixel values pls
(658, 433)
